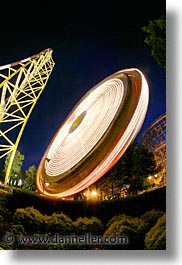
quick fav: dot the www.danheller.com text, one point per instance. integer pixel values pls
(66, 239)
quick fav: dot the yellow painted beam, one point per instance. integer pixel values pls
(21, 85)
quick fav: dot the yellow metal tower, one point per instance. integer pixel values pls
(21, 84)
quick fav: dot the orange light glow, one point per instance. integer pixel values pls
(95, 134)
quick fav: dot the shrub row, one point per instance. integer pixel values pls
(34, 222)
(104, 210)
(144, 232)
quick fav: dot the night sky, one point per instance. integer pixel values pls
(90, 41)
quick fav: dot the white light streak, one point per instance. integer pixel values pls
(122, 100)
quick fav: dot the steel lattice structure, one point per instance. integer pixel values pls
(21, 84)
(154, 138)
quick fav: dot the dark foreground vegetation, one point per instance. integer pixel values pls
(141, 219)
(104, 210)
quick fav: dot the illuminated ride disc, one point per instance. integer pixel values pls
(95, 134)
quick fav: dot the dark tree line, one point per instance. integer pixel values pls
(131, 172)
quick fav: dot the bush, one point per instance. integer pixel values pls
(150, 218)
(17, 230)
(115, 218)
(5, 217)
(58, 223)
(85, 225)
(31, 219)
(134, 222)
(156, 236)
(132, 227)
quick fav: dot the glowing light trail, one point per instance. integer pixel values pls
(95, 134)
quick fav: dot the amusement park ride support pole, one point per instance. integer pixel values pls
(21, 84)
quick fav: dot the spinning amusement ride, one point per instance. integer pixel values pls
(95, 134)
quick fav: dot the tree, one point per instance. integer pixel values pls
(130, 173)
(156, 38)
(16, 169)
(137, 164)
(111, 183)
(30, 181)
